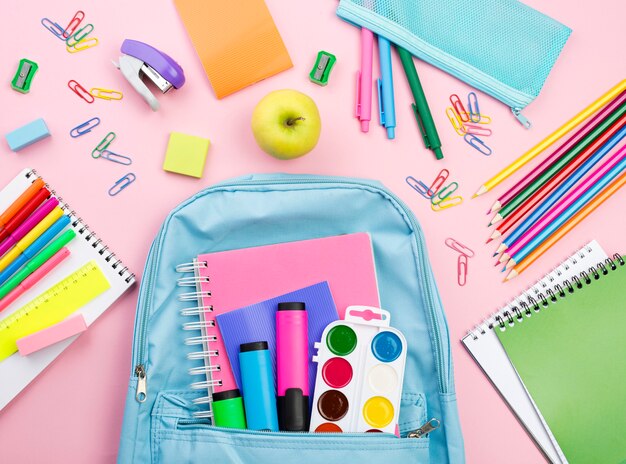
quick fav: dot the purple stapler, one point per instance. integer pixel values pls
(140, 59)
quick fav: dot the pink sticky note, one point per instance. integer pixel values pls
(46, 337)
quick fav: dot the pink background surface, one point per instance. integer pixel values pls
(73, 412)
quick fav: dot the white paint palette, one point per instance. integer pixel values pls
(360, 372)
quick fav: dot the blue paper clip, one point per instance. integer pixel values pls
(79, 35)
(444, 193)
(419, 187)
(472, 106)
(55, 28)
(478, 144)
(122, 184)
(84, 128)
(116, 157)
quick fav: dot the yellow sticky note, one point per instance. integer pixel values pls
(186, 154)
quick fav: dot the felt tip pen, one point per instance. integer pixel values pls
(386, 104)
(22, 215)
(364, 80)
(423, 116)
(259, 388)
(13, 209)
(28, 225)
(228, 410)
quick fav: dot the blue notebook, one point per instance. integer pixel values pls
(258, 322)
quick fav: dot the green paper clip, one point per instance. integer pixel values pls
(24, 75)
(323, 65)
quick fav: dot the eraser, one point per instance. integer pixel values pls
(186, 154)
(27, 135)
(51, 335)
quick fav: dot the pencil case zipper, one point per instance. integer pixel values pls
(515, 100)
(433, 310)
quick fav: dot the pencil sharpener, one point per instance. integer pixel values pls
(321, 70)
(24, 75)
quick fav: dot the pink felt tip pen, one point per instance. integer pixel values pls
(364, 80)
(28, 225)
(292, 365)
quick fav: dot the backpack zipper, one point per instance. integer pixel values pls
(140, 371)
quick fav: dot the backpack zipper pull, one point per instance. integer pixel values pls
(424, 429)
(523, 120)
(142, 384)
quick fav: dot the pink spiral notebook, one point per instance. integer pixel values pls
(229, 280)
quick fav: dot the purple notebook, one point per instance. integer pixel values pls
(258, 322)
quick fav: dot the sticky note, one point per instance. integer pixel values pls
(186, 154)
(27, 135)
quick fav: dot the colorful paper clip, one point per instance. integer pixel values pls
(459, 247)
(455, 119)
(82, 45)
(80, 91)
(448, 202)
(484, 119)
(472, 105)
(106, 94)
(103, 145)
(116, 157)
(55, 28)
(461, 270)
(79, 35)
(458, 107)
(71, 27)
(84, 128)
(477, 130)
(122, 183)
(444, 193)
(419, 186)
(478, 144)
(438, 182)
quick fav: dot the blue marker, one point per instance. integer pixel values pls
(259, 388)
(34, 248)
(386, 103)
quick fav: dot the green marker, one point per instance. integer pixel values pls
(37, 262)
(227, 409)
(420, 107)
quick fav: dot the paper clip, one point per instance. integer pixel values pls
(122, 184)
(472, 105)
(82, 45)
(478, 144)
(461, 270)
(103, 145)
(79, 35)
(448, 202)
(444, 193)
(458, 107)
(80, 91)
(438, 182)
(106, 94)
(84, 128)
(71, 27)
(455, 119)
(459, 247)
(116, 158)
(419, 187)
(55, 28)
(484, 119)
(477, 130)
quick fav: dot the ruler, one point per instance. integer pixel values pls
(52, 306)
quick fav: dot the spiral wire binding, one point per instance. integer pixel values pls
(199, 311)
(88, 234)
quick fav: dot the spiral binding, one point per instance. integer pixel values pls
(201, 324)
(83, 230)
(542, 300)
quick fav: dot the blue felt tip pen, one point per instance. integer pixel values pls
(259, 387)
(386, 103)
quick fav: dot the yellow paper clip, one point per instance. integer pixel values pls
(106, 94)
(448, 202)
(484, 119)
(82, 45)
(455, 119)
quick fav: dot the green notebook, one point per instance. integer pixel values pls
(571, 356)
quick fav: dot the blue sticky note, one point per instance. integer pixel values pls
(27, 135)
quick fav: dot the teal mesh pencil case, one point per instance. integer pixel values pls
(502, 47)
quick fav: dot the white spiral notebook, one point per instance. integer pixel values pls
(486, 349)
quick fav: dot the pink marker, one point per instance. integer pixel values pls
(28, 225)
(292, 366)
(364, 80)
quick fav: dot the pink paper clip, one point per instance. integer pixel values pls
(419, 186)
(459, 247)
(438, 182)
(80, 91)
(478, 144)
(459, 108)
(475, 129)
(461, 270)
(71, 27)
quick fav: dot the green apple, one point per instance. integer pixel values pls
(286, 124)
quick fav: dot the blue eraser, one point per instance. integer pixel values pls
(27, 135)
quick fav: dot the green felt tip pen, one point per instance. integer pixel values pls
(37, 262)
(420, 107)
(228, 409)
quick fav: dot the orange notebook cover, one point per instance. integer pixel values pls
(236, 40)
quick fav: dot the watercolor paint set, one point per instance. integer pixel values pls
(360, 372)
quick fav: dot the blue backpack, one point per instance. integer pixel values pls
(159, 424)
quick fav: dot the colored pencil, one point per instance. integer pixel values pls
(568, 226)
(558, 165)
(569, 143)
(548, 141)
(13, 209)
